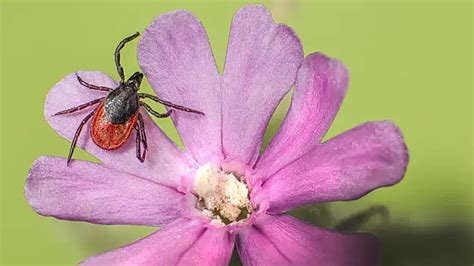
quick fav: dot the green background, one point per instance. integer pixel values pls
(409, 61)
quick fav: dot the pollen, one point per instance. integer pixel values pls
(223, 196)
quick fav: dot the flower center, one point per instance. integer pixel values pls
(223, 197)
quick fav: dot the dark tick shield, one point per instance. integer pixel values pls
(118, 114)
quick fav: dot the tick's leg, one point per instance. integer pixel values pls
(117, 55)
(155, 113)
(141, 130)
(143, 134)
(76, 135)
(91, 86)
(169, 104)
(80, 107)
(138, 144)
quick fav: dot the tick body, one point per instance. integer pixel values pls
(117, 114)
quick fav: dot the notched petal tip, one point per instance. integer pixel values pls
(175, 55)
(347, 167)
(178, 22)
(321, 86)
(334, 70)
(68, 93)
(261, 64)
(331, 68)
(94, 193)
(395, 148)
(31, 187)
(253, 10)
(258, 12)
(398, 145)
(293, 40)
(36, 179)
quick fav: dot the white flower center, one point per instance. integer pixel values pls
(223, 197)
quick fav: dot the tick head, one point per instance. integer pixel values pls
(135, 80)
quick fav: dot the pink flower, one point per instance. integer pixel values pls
(221, 192)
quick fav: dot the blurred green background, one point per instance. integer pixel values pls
(409, 61)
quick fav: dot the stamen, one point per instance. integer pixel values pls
(223, 197)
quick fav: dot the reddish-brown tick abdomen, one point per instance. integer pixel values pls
(107, 135)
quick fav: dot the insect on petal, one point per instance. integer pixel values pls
(164, 162)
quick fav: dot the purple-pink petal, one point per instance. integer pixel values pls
(283, 240)
(214, 247)
(185, 242)
(320, 88)
(262, 60)
(164, 162)
(367, 157)
(90, 192)
(175, 55)
(261, 65)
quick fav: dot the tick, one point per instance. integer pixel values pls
(118, 113)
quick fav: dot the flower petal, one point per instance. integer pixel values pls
(214, 247)
(346, 167)
(185, 242)
(283, 240)
(320, 88)
(176, 57)
(164, 162)
(94, 193)
(261, 64)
